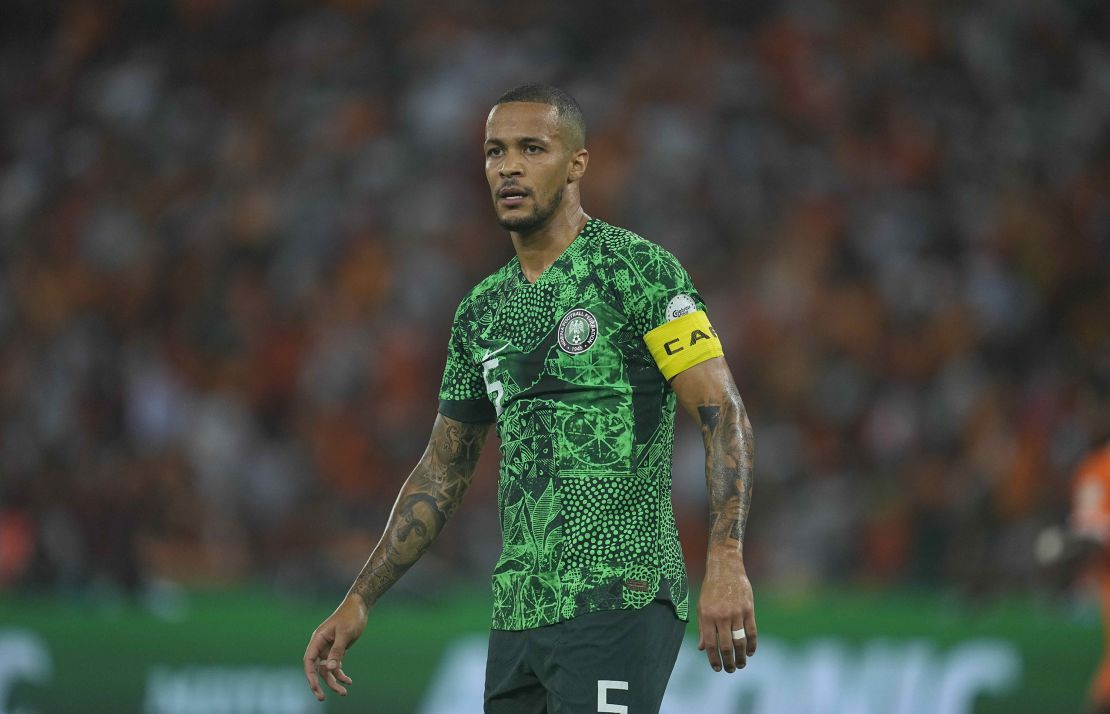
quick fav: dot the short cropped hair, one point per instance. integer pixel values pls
(568, 111)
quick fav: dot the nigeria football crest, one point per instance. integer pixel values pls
(577, 331)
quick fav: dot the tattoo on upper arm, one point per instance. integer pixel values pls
(729, 452)
(429, 498)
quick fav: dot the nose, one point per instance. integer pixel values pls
(511, 166)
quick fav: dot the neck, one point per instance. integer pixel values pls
(538, 249)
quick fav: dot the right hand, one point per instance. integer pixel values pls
(330, 642)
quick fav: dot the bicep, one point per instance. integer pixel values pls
(705, 387)
(454, 446)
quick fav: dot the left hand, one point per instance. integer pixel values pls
(726, 605)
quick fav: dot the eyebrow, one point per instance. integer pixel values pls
(521, 140)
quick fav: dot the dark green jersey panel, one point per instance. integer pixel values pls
(586, 422)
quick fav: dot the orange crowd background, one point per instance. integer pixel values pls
(233, 234)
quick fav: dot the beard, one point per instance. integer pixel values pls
(536, 219)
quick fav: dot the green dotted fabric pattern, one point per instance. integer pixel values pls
(584, 495)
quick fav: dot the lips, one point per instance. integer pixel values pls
(511, 195)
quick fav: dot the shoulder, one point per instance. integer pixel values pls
(622, 245)
(635, 261)
(621, 241)
(475, 298)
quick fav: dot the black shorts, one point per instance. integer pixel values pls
(615, 661)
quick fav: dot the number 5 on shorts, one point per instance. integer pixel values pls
(603, 705)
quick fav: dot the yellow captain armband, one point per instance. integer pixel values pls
(682, 343)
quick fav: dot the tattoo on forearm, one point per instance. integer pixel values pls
(427, 501)
(729, 452)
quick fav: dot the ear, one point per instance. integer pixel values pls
(578, 161)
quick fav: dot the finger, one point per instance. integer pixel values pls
(316, 645)
(333, 684)
(739, 646)
(314, 684)
(707, 641)
(724, 637)
(714, 657)
(338, 649)
(749, 628)
(342, 677)
(709, 644)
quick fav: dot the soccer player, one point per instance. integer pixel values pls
(1086, 544)
(576, 349)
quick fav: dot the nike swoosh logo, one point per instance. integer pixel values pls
(488, 354)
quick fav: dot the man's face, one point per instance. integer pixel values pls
(417, 515)
(527, 164)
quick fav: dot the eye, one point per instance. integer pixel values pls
(493, 151)
(532, 149)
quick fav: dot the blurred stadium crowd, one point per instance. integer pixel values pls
(233, 234)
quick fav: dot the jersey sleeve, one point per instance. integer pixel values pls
(1090, 515)
(661, 304)
(462, 392)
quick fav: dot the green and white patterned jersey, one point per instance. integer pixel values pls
(586, 421)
